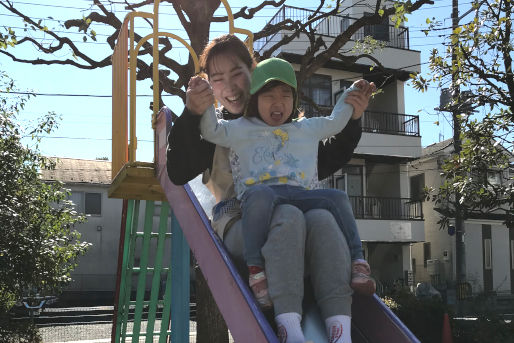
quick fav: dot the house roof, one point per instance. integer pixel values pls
(438, 148)
(72, 170)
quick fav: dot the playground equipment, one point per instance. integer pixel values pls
(142, 262)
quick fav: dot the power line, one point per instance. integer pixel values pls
(75, 95)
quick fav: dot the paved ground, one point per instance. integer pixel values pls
(93, 333)
(97, 333)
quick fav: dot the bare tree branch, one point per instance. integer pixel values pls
(248, 13)
(192, 16)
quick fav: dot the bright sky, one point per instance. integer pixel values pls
(85, 128)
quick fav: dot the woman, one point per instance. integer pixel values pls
(294, 237)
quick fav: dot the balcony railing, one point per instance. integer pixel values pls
(376, 122)
(390, 123)
(333, 26)
(386, 208)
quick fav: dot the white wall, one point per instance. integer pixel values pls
(391, 230)
(474, 258)
(389, 145)
(96, 270)
(501, 256)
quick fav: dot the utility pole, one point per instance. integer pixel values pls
(460, 250)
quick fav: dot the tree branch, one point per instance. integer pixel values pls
(242, 13)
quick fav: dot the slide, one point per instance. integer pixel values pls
(372, 321)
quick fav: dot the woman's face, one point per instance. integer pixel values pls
(230, 82)
(276, 104)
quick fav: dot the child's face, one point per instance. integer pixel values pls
(230, 81)
(276, 104)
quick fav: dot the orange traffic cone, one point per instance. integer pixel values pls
(446, 336)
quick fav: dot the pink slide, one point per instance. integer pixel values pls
(372, 320)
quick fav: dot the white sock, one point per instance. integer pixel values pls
(339, 329)
(289, 328)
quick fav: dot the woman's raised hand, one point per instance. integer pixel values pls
(359, 99)
(199, 95)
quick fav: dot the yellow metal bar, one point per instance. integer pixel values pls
(132, 68)
(119, 102)
(186, 44)
(133, 74)
(155, 59)
(232, 29)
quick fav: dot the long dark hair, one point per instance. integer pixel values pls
(228, 45)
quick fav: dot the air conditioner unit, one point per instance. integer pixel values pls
(433, 267)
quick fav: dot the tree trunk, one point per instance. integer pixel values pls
(210, 325)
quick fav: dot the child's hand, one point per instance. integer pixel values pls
(199, 95)
(359, 98)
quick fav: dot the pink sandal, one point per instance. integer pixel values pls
(259, 285)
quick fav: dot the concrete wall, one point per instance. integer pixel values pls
(391, 230)
(389, 145)
(96, 270)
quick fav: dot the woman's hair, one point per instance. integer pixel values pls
(252, 109)
(227, 44)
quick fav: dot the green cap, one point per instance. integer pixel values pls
(270, 70)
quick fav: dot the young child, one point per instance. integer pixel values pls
(274, 159)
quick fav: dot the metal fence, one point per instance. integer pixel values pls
(333, 26)
(365, 207)
(390, 123)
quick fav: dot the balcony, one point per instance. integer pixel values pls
(386, 208)
(390, 123)
(391, 36)
(376, 122)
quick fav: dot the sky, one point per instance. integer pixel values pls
(82, 97)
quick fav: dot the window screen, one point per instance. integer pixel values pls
(93, 204)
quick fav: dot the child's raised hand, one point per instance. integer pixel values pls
(359, 98)
(199, 95)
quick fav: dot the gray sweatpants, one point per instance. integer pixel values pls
(300, 245)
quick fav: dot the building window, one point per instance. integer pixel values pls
(78, 202)
(378, 31)
(319, 89)
(488, 261)
(494, 177)
(417, 185)
(427, 255)
(351, 181)
(93, 204)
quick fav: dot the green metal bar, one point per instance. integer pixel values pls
(148, 270)
(153, 234)
(141, 281)
(165, 320)
(160, 302)
(179, 284)
(156, 279)
(130, 265)
(155, 333)
(122, 306)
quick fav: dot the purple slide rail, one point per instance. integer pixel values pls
(372, 320)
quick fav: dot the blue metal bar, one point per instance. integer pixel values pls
(179, 284)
